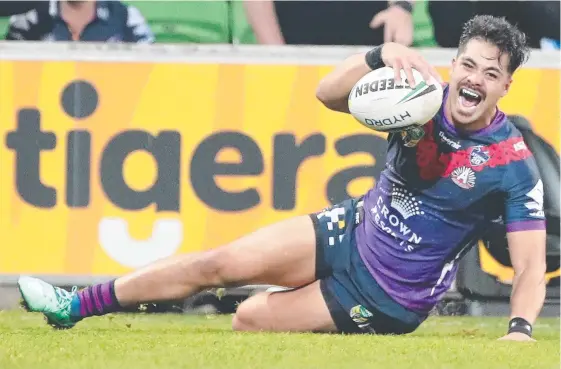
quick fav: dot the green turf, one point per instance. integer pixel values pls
(176, 341)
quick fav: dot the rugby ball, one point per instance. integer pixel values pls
(379, 103)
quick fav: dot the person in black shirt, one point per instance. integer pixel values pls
(537, 19)
(9, 8)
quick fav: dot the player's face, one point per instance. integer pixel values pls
(479, 78)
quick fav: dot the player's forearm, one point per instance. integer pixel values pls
(262, 17)
(528, 293)
(333, 90)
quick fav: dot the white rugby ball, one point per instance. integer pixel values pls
(379, 103)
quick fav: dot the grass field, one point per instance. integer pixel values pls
(182, 341)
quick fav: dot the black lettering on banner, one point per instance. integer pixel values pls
(28, 141)
(337, 187)
(204, 168)
(288, 156)
(78, 166)
(165, 148)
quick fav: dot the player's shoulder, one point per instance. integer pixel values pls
(31, 23)
(511, 150)
(501, 130)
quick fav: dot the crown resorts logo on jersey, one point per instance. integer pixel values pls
(393, 222)
(405, 204)
(479, 155)
(464, 177)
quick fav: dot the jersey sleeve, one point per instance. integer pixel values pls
(138, 29)
(523, 186)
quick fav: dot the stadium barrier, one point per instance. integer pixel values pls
(114, 156)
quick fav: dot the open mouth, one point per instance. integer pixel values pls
(469, 98)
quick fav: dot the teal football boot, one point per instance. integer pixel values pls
(53, 302)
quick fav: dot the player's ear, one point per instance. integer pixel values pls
(507, 86)
(453, 65)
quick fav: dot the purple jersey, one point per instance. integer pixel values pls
(437, 196)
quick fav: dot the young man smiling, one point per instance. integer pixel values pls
(378, 263)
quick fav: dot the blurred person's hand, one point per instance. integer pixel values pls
(517, 336)
(400, 57)
(398, 24)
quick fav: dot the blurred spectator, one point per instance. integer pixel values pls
(331, 22)
(8, 8)
(538, 19)
(69, 20)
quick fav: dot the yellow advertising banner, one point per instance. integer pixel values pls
(109, 166)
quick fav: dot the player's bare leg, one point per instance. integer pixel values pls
(299, 310)
(280, 254)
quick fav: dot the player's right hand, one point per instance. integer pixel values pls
(402, 57)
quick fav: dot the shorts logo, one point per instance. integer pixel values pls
(464, 177)
(360, 315)
(479, 155)
(404, 202)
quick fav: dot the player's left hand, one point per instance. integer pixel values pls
(398, 25)
(517, 336)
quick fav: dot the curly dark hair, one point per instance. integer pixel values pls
(499, 32)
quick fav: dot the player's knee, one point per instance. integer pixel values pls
(250, 315)
(220, 267)
(240, 324)
(212, 267)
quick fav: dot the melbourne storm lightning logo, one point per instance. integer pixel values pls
(479, 155)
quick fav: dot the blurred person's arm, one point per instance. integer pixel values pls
(397, 21)
(138, 29)
(262, 18)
